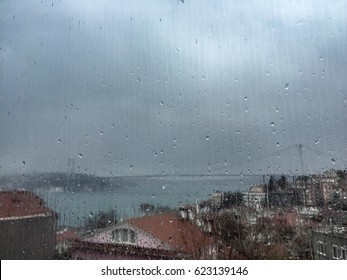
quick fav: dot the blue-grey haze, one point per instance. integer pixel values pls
(129, 87)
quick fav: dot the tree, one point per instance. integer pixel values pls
(148, 208)
(230, 228)
(102, 219)
(282, 183)
(272, 185)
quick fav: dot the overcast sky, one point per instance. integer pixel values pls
(146, 87)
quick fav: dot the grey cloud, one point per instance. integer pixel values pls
(169, 87)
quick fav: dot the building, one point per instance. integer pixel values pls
(329, 186)
(27, 227)
(167, 235)
(255, 197)
(281, 198)
(215, 199)
(330, 244)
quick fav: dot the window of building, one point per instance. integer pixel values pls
(124, 235)
(335, 252)
(322, 248)
(344, 253)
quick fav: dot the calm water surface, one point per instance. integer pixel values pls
(74, 207)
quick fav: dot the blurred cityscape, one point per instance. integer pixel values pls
(285, 217)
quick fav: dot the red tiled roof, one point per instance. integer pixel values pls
(66, 235)
(21, 204)
(169, 228)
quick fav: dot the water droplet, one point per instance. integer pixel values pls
(138, 79)
(272, 124)
(161, 103)
(23, 162)
(320, 58)
(277, 110)
(286, 86)
(333, 161)
(131, 167)
(203, 77)
(196, 41)
(245, 98)
(80, 155)
(317, 141)
(101, 133)
(207, 138)
(59, 141)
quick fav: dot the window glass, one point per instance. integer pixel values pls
(335, 252)
(344, 253)
(114, 110)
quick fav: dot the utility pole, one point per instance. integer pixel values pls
(300, 146)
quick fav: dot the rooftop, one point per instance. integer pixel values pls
(171, 229)
(21, 204)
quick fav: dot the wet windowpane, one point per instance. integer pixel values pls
(185, 128)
